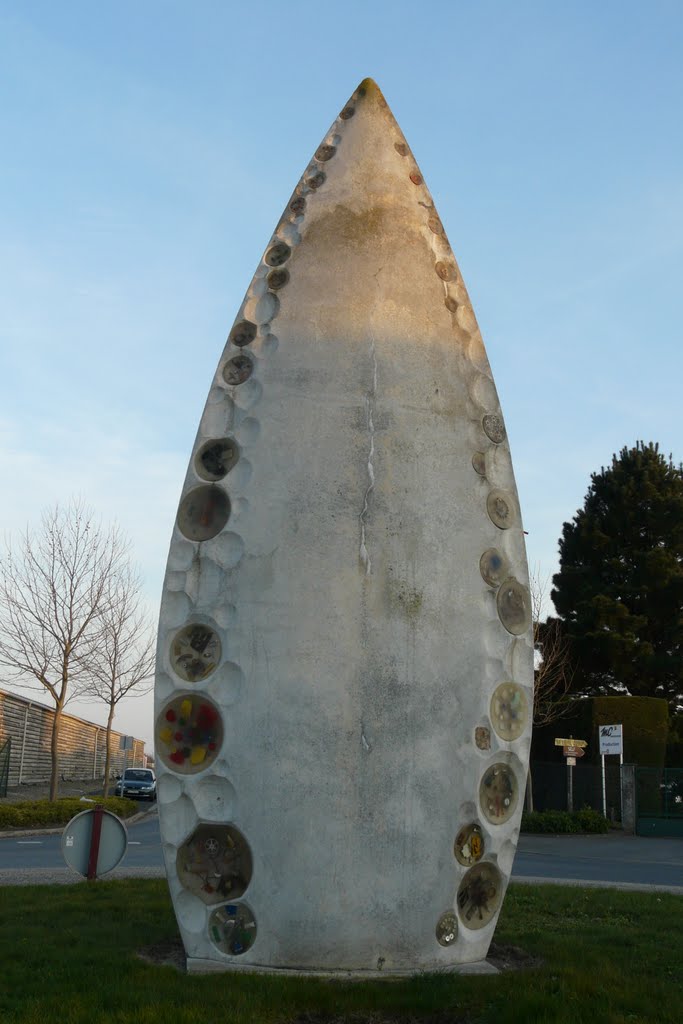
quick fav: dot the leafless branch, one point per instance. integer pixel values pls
(54, 588)
(554, 670)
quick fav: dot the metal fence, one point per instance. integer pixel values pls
(551, 785)
(659, 799)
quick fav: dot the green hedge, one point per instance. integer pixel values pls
(46, 814)
(645, 721)
(564, 823)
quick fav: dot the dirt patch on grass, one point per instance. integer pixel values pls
(512, 958)
(165, 954)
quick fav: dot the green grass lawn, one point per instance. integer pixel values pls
(69, 955)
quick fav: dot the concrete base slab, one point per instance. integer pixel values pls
(199, 965)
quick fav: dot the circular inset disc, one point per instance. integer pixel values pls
(215, 863)
(237, 370)
(501, 509)
(494, 427)
(216, 458)
(479, 895)
(444, 270)
(189, 734)
(316, 180)
(479, 463)
(509, 711)
(232, 928)
(469, 845)
(498, 793)
(494, 567)
(278, 254)
(195, 652)
(243, 333)
(278, 278)
(514, 606)
(447, 928)
(324, 153)
(203, 512)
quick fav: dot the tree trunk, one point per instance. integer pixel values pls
(107, 756)
(54, 750)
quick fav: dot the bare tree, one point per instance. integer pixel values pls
(123, 659)
(553, 667)
(53, 589)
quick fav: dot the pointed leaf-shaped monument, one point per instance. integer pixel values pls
(344, 687)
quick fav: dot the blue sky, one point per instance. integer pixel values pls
(148, 149)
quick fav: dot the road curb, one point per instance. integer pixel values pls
(584, 883)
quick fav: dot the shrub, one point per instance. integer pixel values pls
(564, 823)
(44, 814)
(590, 820)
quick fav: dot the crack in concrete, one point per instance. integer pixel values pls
(369, 405)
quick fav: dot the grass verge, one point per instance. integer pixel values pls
(69, 955)
(47, 814)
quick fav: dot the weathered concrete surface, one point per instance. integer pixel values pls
(361, 643)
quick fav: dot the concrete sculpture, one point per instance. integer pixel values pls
(345, 665)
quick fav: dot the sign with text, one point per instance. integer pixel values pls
(573, 751)
(611, 739)
(571, 762)
(571, 743)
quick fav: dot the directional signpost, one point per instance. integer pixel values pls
(571, 749)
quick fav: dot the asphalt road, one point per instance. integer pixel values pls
(613, 859)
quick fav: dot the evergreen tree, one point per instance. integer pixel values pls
(620, 585)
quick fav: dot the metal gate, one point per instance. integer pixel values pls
(659, 801)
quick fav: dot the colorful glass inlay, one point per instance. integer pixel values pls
(189, 734)
(232, 928)
(469, 845)
(215, 863)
